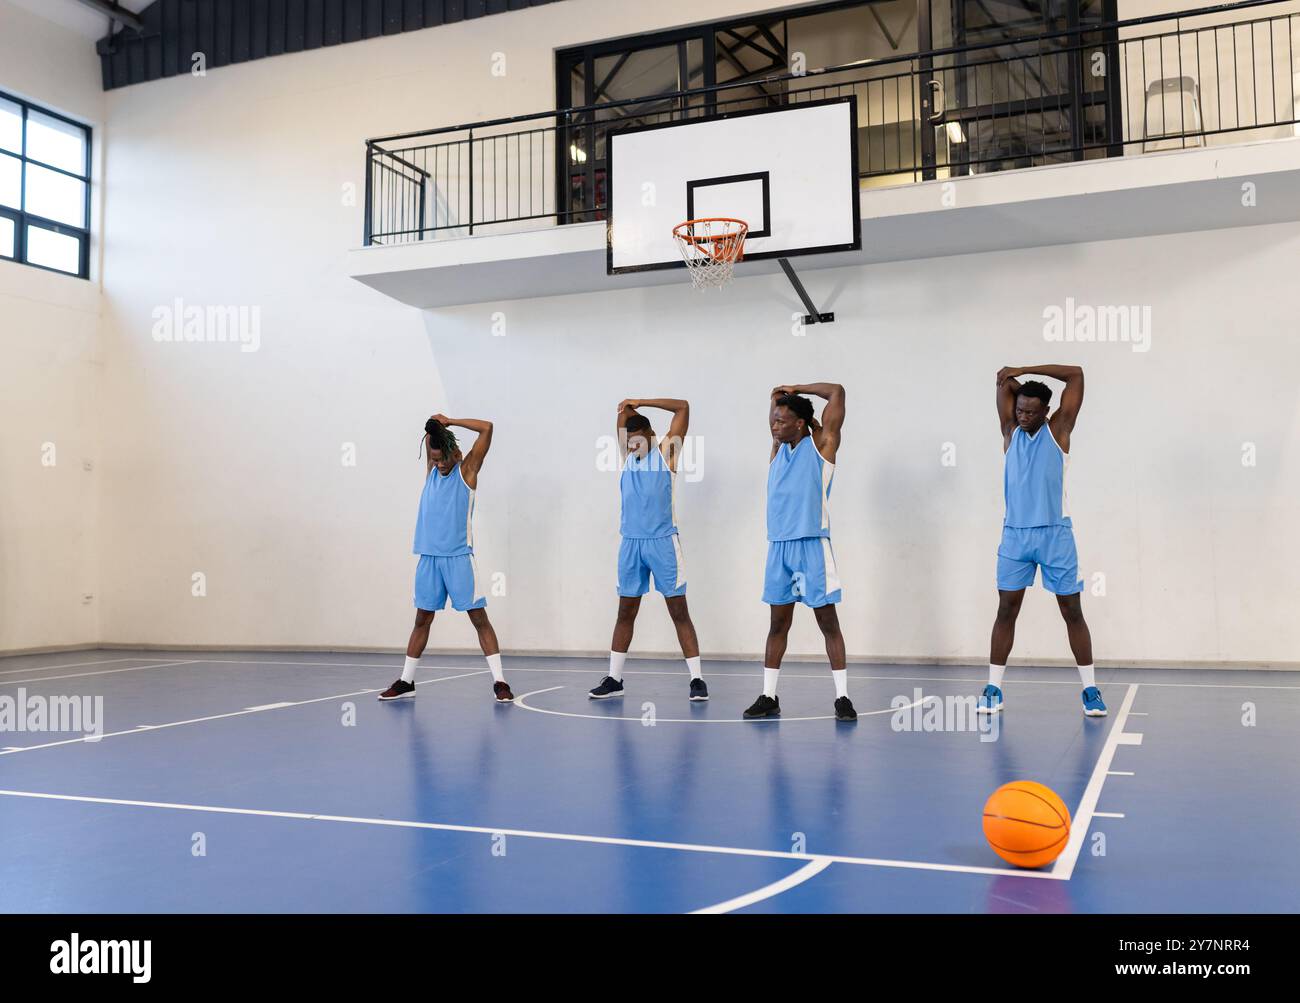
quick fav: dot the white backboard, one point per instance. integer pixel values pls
(790, 173)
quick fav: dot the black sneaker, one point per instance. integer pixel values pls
(502, 692)
(401, 688)
(609, 687)
(699, 691)
(844, 710)
(764, 706)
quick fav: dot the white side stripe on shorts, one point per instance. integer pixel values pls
(832, 573)
(473, 563)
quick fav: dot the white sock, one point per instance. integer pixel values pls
(616, 659)
(841, 677)
(408, 669)
(693, 666)
(995, 675)
(494, 663)
(1089, 675)
(770, 677)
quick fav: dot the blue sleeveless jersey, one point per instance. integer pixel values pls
(1034, 480)
(442, 529)
(647, 486)
(799, 492)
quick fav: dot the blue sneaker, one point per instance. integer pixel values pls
(609, 687)
(1092, 705)
(990, 701)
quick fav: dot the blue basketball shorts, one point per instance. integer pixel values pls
(639, 558)
(1025, 549)
(438, 579)
(801, 571)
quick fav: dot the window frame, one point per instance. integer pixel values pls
(22, 219)
(570, 57)
(707, 30)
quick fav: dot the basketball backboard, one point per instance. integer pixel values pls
(789, 172)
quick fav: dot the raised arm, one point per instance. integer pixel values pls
(826, 431)
(1067, 412)
(472, 462)
(771, 417)
(681, 412)
(626, 409)
(1008, 388)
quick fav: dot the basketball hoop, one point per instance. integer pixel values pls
(711, 248)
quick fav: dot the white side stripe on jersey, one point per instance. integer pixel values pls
(828, 471)
(1065, 470)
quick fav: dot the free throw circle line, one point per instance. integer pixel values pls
(520, 702)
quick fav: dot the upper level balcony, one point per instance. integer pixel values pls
(1173, 122)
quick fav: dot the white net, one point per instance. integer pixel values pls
(711, 248)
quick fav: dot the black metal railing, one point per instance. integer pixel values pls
(1168, 81)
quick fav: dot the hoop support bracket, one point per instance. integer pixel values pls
(813, 316)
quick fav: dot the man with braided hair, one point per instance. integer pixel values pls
(800, 562)
(444, 541)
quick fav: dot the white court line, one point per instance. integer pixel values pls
(512, 666)
(202, 661)
(1064, 866)
(1120, 773)
(786, 674)
(217, 717)
(733, 851)
(519, 702)
(808, 870)
(79, 665)
(1108, 814)
(106, 672)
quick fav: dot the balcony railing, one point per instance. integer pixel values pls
(1173, 81)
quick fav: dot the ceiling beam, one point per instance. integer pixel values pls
(116, 12)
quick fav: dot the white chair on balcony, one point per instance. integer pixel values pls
(1171, 119)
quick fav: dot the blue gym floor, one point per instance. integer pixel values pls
(452, 803)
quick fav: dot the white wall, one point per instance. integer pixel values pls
(1198, 551)
(49, 332)
(228, 190)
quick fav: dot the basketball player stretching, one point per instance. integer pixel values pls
(444, 540)
(800, 563)
(1037, 531)
(650, 545)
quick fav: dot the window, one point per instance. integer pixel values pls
(1015, 101)
(637, 81)
(44, 188)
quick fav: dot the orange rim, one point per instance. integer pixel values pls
(722, 243)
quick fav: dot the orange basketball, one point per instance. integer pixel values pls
(1026, 823)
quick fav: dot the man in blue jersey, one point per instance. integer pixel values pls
(650, 547)
(444, 540)
(800, 562)
(1037, 531)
